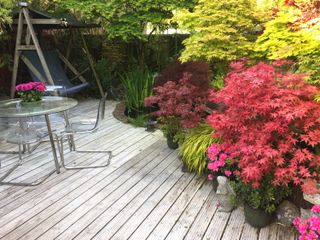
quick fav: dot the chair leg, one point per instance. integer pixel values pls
(24, 184)
(60, 148)
(35, 183)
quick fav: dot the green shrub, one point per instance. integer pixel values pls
(104, 71)
(266, 197)
(137, 85)
(193, 150)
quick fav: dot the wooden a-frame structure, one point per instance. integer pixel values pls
(26, 25)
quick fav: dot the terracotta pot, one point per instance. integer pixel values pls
(257, 217)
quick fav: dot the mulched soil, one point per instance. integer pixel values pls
(118, 112)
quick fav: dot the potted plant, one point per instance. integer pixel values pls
(271, 126)
(171, 129)
(30, 92)
(260, 202)
(181, 105)
(137, 85)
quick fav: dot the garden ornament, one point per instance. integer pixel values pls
(224, 194)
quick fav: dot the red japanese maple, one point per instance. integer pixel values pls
(180, 99)
(310, 13)
(271, 123)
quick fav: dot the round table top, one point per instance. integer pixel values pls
(48, 105)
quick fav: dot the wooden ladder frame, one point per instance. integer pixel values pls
(24, 18)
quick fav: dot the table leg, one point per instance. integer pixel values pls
(70, 137)
(56, 161)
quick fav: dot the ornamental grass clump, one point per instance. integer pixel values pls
(137, 85)
(31, 92)
(193, 149)
(271, 125)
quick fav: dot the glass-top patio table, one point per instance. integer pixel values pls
(14, 108)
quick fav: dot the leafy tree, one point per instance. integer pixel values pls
(271, 124)
(294, 34)
(5, 14)
(128, 20)
(220, 29)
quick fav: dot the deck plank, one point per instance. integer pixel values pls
(168, 193)
(43, 206)
(89, 199)
(249, 232)
(138, 203)
(186, 219)
(167, 222)
(235, 225)
(217, 226)
(203, 219)
(142, 190)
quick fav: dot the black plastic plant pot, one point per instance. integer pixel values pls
(171, 143)
(257, 217)
(132, 113)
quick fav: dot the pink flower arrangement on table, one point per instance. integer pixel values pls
(31, 92)
(309, 229)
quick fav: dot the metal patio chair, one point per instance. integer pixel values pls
(83, 127)
(22, 135)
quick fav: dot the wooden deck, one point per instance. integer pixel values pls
(142, 195)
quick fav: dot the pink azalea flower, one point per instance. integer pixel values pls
(213, 166)
(27, 87)
(223, 156)
(40, 88)
(210, 177)
(18, 87)
(309, 229)
(315, 209)
(227, 173)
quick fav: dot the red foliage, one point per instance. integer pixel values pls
(271, 123)
(310, 12)
(180, 99)
(199, 71)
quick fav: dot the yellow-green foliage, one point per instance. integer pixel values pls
(279, 41)
(193, 150)
(5, 13)
(220, 29)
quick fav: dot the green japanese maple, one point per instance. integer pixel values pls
(127, 19)
(220, 29)
(294, 34)
(5, 14)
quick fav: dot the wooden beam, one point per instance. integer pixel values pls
(82, 72)
(69, 47)
(26, 47)
(37, 45)
(91, 64)
(32, 68)
(69, 65)
(42, 22)
(16, 56)
(28, 37)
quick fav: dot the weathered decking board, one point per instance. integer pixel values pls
(143, 194)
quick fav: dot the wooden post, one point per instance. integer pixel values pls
(69, 48)
(69, 65)
(91, 64)
(37, 45)
(28, 37)
(16, 56)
